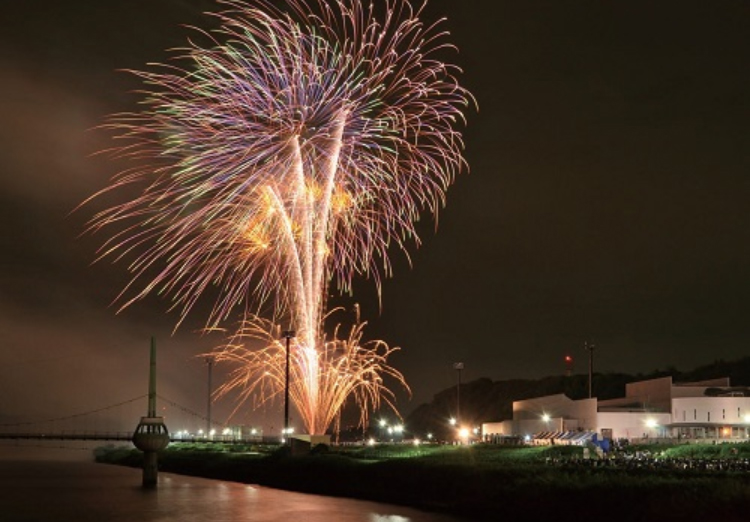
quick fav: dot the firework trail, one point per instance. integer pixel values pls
(349, 370)
(287, 153)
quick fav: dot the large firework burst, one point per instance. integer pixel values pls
(290, 151)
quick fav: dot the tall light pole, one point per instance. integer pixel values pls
(287, 334)
(458, 367)
(210, 363)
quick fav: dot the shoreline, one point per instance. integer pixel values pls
(466, 483)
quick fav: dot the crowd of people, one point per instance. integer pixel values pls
(647, 460)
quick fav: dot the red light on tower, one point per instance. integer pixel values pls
(568, 365)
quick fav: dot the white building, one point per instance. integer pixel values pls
(657, 408)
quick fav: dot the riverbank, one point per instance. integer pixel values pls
(483, 482)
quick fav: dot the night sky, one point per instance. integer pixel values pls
(606, 201)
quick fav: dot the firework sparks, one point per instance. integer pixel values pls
(347, 370)
(288, 154)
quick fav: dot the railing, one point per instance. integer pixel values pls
(115, 435)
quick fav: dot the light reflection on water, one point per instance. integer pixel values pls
(82, 491)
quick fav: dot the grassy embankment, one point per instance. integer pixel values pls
(483, 482)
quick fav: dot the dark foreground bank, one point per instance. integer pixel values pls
(483, 483)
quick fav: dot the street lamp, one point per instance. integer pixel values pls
(287, 334)
(458, 367)
(210, 363)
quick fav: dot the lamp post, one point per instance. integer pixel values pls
(210, 364)
(458, 367)
(287, 334)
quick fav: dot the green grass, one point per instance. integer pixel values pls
(709, 451)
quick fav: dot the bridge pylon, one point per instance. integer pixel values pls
(151, 435)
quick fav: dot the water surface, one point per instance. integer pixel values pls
(64, 485)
